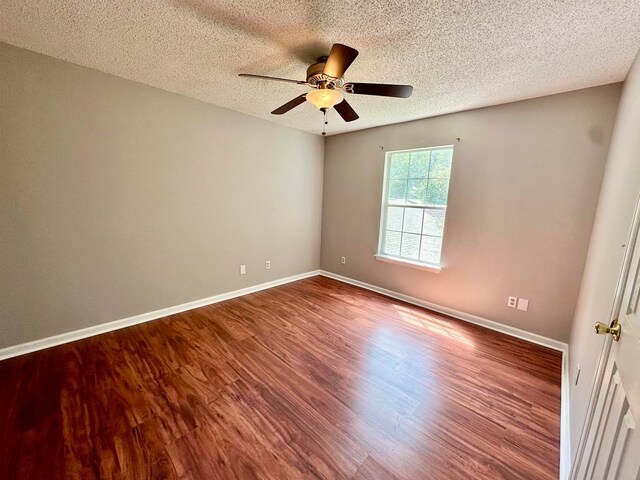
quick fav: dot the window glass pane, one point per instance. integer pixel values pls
(430, 249)
(417, 192)
(400, 165)
(394, 218)
(438, 191)
(392, 243)
(412, 220)
(419, 166)
(397, 191)
(440, 163)
(410, 245)
(433, 223)
(416, 181)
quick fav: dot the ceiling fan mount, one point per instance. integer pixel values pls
(326, 78)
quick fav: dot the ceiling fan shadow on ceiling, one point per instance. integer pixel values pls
(326, 78)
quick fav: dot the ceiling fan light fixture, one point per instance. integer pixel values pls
(324, 98)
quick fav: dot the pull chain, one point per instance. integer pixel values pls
(324, 127)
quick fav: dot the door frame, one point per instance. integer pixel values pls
(608, 341)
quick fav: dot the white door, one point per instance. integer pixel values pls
(610, 445)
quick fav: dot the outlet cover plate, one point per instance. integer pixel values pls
(523, 304)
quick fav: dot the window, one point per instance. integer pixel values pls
(414, 204)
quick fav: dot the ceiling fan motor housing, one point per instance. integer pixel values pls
(316, 78)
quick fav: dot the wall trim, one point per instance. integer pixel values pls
(72, 336)
(565, 419)
(467, 317)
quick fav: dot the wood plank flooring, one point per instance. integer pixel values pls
(314, 379)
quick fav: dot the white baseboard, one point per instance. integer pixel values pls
(41, 344)
(565, 420)
(483, 322)
(565, 451)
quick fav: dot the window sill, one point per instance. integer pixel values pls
(409, 263)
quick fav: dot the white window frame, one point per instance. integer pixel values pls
(410, 262)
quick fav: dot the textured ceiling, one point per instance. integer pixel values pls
(457, 55)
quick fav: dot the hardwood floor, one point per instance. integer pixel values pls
(314, 379)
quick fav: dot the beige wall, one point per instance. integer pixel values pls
(618, 197)
(523, 194)
(118, 199)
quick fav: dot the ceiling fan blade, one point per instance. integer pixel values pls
(380, 89)
(299, 82)
(339, 60)
(289, 105)
(347, 113)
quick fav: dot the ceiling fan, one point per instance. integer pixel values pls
(325, 77)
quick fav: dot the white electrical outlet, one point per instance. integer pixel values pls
(523, 304)
(243, 269)
(343, 260)
(267, 264)
(512, 302)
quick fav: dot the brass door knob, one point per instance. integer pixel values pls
(615, 330)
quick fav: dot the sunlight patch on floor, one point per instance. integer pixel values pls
(433, 324)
